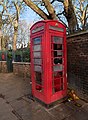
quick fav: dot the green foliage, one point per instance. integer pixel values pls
(26, 55)
(18, 52)
(20, 55)
(9, 55)
(23, 54)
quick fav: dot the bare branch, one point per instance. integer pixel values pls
(36, 9)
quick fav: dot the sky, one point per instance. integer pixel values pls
(30, 16)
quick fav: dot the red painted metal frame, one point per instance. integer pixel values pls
(46, 95)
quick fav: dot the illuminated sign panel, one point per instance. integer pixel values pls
(56, 28)
(37, 29)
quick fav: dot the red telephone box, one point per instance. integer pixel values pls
(48, 60)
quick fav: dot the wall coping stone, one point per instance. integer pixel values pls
(3, 61)
(77, 34)
(21, 63)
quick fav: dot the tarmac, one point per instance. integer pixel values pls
(15, 103)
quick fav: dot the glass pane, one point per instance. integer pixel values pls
(37, 54)
(58, 47)
(57, 85)
(58, 40)
(38, 68)
(57, 74)
(57, 81)
(58, 61)
(38, 61)
(37, 48)
(37, 40)
(58, 68)
(59, 53)
(38, 78)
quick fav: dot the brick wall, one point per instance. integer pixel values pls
(3, 66)
(21, 69)
(77, 49)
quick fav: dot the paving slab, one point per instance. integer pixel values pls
(6, 111)
(61, 111)
(79, 115)
(16, 105)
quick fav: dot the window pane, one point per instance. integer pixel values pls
(38, 68)
(37, 48)
(59, 53)
(37, 40)
(38, 79)
(57, 74)
(58, 61)
(38, 61)
(38, 76)
(58, 68)
(37, 54)
(58, 47)
(58, 40)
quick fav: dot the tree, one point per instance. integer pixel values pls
(1, 23)
(0, 30)
(11, 11)
(18, 7)
(68, 11)
(81, 9)
(23, 34)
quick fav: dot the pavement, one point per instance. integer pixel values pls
(16, 105)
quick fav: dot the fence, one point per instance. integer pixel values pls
(20, 55)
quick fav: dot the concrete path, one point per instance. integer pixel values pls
(15, 105)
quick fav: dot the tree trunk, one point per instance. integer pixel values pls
(15, 34)
(70, 15)
(15, 38)
(50, 9)
(1, 23)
